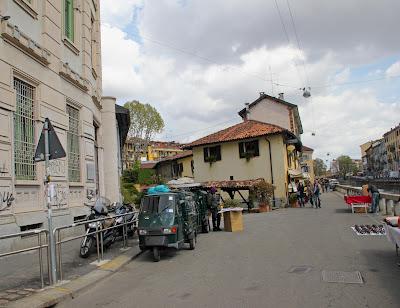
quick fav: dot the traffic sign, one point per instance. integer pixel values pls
(56, 150)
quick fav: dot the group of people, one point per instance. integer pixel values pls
(310, 192)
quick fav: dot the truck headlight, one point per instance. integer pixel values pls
(142, 232)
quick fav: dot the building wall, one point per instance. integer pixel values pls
(307, 160)
(392, 144)
(270, 112)
(187, 166)
(33, 48)
(241, 169)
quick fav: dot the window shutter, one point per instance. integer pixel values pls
(241, 149)
(205, 150)
(218, 152)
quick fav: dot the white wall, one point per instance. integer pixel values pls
(270, 112)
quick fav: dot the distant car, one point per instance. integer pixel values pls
(333, 183)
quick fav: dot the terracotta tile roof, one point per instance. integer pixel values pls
(304, 148)
(244, 130)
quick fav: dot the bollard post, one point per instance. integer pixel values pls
(40, 259)
(59, 255)
(97, 243)
(102, 245)
(124, 231)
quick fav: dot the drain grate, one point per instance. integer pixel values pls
(302, 269)
(342, 277)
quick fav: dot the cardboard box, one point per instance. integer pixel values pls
(233, 221)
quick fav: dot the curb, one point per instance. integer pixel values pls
(51, 296)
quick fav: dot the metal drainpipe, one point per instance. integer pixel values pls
(272, 173)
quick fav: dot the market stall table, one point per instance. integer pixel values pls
(393, 235)
(358, 202)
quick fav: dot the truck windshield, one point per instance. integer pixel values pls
(158, 204)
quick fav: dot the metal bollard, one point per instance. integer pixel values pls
(40, 259)
(102, 245)
(97, 243)
(60, 255)
(124, 231)
(48, 258)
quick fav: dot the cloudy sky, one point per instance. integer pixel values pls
(199, 61)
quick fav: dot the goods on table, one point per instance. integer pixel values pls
(393, 221)
(369, 230)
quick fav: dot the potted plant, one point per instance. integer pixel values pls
(264, 192)
(232, 203)
(249, 155)
(293, 200)
(211, 159)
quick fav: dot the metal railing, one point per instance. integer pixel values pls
(98, 234)
(44, 243)
(39, 247)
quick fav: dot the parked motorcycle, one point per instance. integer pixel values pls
(100, 209)
(131, 218)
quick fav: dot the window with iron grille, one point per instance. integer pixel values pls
(74, 165)
(24, 131)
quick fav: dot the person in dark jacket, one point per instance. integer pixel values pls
(300, 194)
(374, 192)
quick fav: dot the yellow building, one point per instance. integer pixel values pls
(158, 150)
(247, 151)
(392, 144)
(306, 162)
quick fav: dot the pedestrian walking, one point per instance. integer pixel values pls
(300, 194)
(310, 194)
(214, 201)
(316, 195)
(374, 192)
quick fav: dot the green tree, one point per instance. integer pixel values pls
(145, 123)
(319, 167)
(346, 165)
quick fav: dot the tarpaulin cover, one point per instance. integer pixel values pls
(357, 199)
(158, 189)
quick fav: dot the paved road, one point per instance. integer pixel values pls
(251, 269)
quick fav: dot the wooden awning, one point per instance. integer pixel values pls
(234, 184)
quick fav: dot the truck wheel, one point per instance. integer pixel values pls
(156, 254)
(192, 244)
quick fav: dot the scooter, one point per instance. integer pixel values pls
(99, 210)
(131, 219)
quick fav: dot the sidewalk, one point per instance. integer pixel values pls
(20, 274)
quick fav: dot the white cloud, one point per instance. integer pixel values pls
(119, 13)
(393, 70)
(196, 96)
(342, 122)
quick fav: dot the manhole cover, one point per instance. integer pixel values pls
(342, 277)
(302, 269)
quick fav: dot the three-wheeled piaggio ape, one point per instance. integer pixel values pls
(167, 219)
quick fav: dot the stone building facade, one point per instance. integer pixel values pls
(50, 66)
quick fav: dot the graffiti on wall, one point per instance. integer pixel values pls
(6, 200)
(57, 167)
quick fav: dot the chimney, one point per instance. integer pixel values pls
(247, 106)
(262, 94)
(280, 96)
